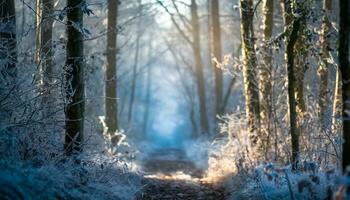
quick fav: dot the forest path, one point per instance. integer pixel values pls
(172, 176)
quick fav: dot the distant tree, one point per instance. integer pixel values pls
(196, 46)
(344, 66)
(216, 34)
(111, 71)
(324, 66)
(291, 40)
(209, 35)
(186, 88)
(251, 88)
(148, 89)
(74, 78)
(135, 65)
(8, 47)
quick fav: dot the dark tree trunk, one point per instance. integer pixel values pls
(199, 69)
(290, 57)
(111, 71)
(216, 29)
(344, 65)
(46, 50)
(265, 75)
(251, 89)
(299, 58)
(8, 41)
(74, 77)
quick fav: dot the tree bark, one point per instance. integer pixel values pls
(290, 58)
(199, 69)
(216, 33)
(251, 88)
(299, 58)
(337, 103)
(265, 74)
(344, 66)
(74, 79)
(324, 66)
(8, 41)
(46, 50)
(38, 18)
(111, 104)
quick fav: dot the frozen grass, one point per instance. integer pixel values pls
(233, 163)
(271, 182)
(48, 174)
(33, 166)
(88, 178)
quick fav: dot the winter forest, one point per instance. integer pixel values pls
(175, 99)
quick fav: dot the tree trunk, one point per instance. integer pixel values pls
(324, 66)
(46, 52)
(199, 69)
(337, 103)
(8, 41)
(134, 69)
(209, 33)
(111, 104)
(38, 18)
(265, 74)
(216, 29)
(299, 57)
(344, 66)
(251, 89)
(74, 77)
(148, 91)
(148, 101)
(24, 15)
(290, 58)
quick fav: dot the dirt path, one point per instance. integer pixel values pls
(171, 176)
(177, 189)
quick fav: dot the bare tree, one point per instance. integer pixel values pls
(135, 66)
(251, 89)
(299, 57)
(194, 43)
(216, 29)
(74, 77)
(199, 68)
(344, 65)
(290, 58)
(111, 105)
